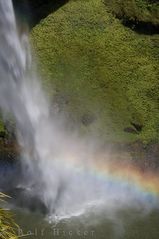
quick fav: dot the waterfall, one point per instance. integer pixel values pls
(21, 97)
(57, 165)
(44, 143)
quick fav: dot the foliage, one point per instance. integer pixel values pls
(2, 129)
(96, 66)
(7, 225)
(138, 10)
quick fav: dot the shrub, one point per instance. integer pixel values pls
(7, 224)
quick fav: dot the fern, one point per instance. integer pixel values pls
(7, 224)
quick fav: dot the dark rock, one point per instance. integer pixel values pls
(10, 173)
(16, 184)
(33, 11)
(130, 130)
(141, 27)
(3, 134)
(137, 126)
(87, 119)
(27, 199)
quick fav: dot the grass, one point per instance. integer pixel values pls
(99, 68)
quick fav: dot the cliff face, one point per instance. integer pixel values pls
(33, 11)
(103, 74)
(141, 15)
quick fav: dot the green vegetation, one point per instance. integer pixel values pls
(7, 225)
(102, 73)
(2, 129)
(138, 10)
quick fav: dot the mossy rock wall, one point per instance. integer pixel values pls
(100, 70)
(136, 10)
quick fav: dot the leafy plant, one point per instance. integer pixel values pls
(7, 224)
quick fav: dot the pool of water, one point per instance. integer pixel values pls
(126, 224)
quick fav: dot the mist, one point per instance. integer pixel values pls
(61, 167)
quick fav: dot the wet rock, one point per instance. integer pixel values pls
(87, 119)
(14, 183)
(130, 130)
(141, 27)
(137, 126)
(10, 173)
(26, 198)
(34, 11)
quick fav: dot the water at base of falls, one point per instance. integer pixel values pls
(127, 224)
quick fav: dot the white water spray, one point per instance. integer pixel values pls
(43, 143)
(64, 188)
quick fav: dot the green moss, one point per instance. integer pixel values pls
(138, 10)
(102, 68)
(2, 129)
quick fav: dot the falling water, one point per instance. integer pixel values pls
(48, 152)
(44, 144)
(21, 94)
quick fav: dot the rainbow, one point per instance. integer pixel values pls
(118, 173)
(145, 181)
